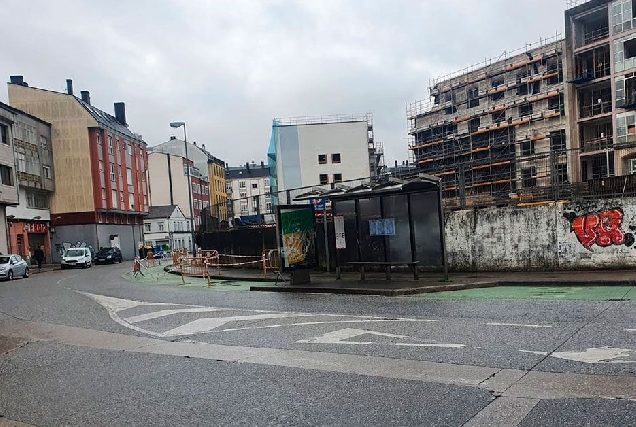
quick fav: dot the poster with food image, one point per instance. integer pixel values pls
(297, 235)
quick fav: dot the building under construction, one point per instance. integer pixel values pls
(495, 132)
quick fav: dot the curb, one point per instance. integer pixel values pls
(234, 278)
(371, 291)
(438, 288)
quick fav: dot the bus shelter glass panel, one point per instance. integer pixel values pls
(347, 209)
(398, 237)
(425, 220)
(371, 243)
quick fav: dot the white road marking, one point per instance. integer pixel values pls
(540, 353)
(597, 355)
(403, 344)
(339, 337)
(518, 325)
(204, 325)
(208, 324)
(326, 323)
(629, 330)
(163, 313)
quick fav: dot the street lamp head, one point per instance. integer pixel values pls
(177, 124)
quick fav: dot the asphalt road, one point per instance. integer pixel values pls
(87, 347)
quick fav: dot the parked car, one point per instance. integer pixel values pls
(108, 256)
(75, 257)
(13, 265)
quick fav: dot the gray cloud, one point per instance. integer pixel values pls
(228, 67)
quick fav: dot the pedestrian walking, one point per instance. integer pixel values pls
(39, 257)
(137, 267)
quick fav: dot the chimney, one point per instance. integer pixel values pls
(396, 163)
(247, 166)
(86, 96)
(203, 146)
(16, 80)
(69, 86)
(120, 113)
(194, 143)
(172, 137)
(262, 164)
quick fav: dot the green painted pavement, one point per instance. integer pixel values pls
(545, 293)
(156, 276)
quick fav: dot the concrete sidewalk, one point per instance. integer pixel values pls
(403, 283)
(33, 269)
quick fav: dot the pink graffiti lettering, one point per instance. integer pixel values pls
(603, 228)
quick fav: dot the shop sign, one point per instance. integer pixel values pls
(36, 227)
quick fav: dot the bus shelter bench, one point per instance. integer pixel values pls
(387, 267)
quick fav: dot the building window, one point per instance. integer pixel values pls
(44, 143)
(623, 15)
(529, 177)
(266, 183)
(242, 194)
(525, 110)
(147, 227)
(561, 171)
(6, 173)
(268, 206)
(47, 172)
(129, 149)
(324, 178)
(626, 127)
(37, 201)
(110, 144)
(472, 94)
(99, 137)
(527, 148)
(4, 134)
(112, 172)
(114, 200)
(335, 158)
(557, 140)
(337, 177)
(242, 184)
(322, 159)
(160, 226)
(254, 186)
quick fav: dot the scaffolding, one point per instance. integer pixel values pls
(489, 131)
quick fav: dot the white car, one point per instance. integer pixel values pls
(13, 265)
(77, 257)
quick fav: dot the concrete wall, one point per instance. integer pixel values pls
(70, 234)
(97, 235)
(160, 182)
(582, 235)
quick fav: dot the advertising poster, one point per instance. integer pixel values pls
(341, 242)
(297, 235)
(382, 227)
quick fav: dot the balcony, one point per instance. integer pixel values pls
(591, 28)
(597, 144)
(591, 110)
(591, 65)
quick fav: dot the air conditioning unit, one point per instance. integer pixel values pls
(632, 166)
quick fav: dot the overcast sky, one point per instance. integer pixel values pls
(227, 68)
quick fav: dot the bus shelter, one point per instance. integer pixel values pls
(389, 223)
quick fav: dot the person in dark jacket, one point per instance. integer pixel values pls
(39, 257)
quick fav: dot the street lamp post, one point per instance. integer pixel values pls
(185, 143)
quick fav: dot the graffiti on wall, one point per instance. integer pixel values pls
(599, 228)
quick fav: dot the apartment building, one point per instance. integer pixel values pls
(313, 151)
(248, 191)
(29, 220)
(101, 192)
(168, 177)
(8, 185)
(209, 166)
(495, 131)
(600, 41)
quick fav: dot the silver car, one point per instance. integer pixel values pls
(13, 266)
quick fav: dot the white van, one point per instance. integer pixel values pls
(74, 257)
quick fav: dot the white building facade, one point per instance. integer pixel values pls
(248, 190)
(321, 151)
(166, 226)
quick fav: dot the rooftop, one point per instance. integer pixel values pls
(321, 120)
(247, 171)
(18, 111)
(157, 212)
